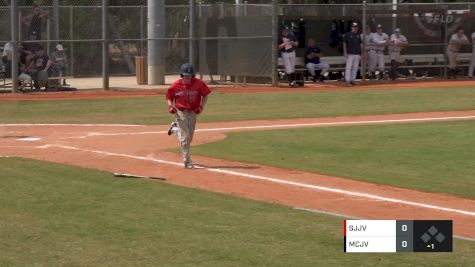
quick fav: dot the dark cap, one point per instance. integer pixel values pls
(286, 28)
(33, 33)
(397, 30)
(354, 24)
(379, 26)
(187, 69)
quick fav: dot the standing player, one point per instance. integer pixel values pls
(456, 41)
(186, 98)
(368, 46)
(376, 54)
(287, 44)
(312, 56)
(352, 47)
(472, 63)
(396, 44)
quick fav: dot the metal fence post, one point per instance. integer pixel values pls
(71, 37)
(446, 42)
(274, 55)
(141, 31)
(56, 19)
(363, 59)
(105, 36)
(14, 35)
(192, 33)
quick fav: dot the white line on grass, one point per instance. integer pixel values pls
(276, 180)
(294, 125)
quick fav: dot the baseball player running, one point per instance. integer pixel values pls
(472, 63)
(456, 41)
(379, 39)
(396, 44)
(287, 44)
(186, 99)
(352, 47)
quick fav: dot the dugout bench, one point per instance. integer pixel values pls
(419, 64)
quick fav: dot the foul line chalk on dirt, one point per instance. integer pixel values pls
(358, 218)
(294, 125)
(275, 180)
(73, 125)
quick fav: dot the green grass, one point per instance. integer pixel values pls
(434, 157)
(231, 107)
(56, 215)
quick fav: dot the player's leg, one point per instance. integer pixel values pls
(292, 67)
(348, 68)
(184, 136)
(355, 65)
(311, 68)
(373, 58)
(287, 65)
(191, 120)
(381, 65)
(25, 79)
(472, 65)
(452, 63)
(323, 67)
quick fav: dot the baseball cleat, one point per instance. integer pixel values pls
(172, 125)
(189, 165)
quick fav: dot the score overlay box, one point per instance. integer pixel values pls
(397, 236)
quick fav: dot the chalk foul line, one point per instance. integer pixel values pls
(274, 180)
(296, 125)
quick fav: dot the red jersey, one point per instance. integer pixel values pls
(187, 96)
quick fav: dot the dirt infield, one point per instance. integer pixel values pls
(127, 148)
(330, 86)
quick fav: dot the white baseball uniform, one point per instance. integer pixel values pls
(453, 48)
(376, 55)
(394, 48)
(368, 46)
(472, 63)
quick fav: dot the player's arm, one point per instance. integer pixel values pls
(27, 19)
(170, 96)
(465, 39)
(295, 42)
(310, 55)
(48, 65)
(44, 13)
(204, 100)
(403, 42)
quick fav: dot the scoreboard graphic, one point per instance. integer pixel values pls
(397, 236)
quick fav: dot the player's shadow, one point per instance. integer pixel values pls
(227, 167)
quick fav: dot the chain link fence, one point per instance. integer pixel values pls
(231, 41)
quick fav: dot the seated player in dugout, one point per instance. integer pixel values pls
(38, 68)
(186, 98)
(7, 58)
(314, 65)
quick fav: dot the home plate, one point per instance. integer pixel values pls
(29, 139)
